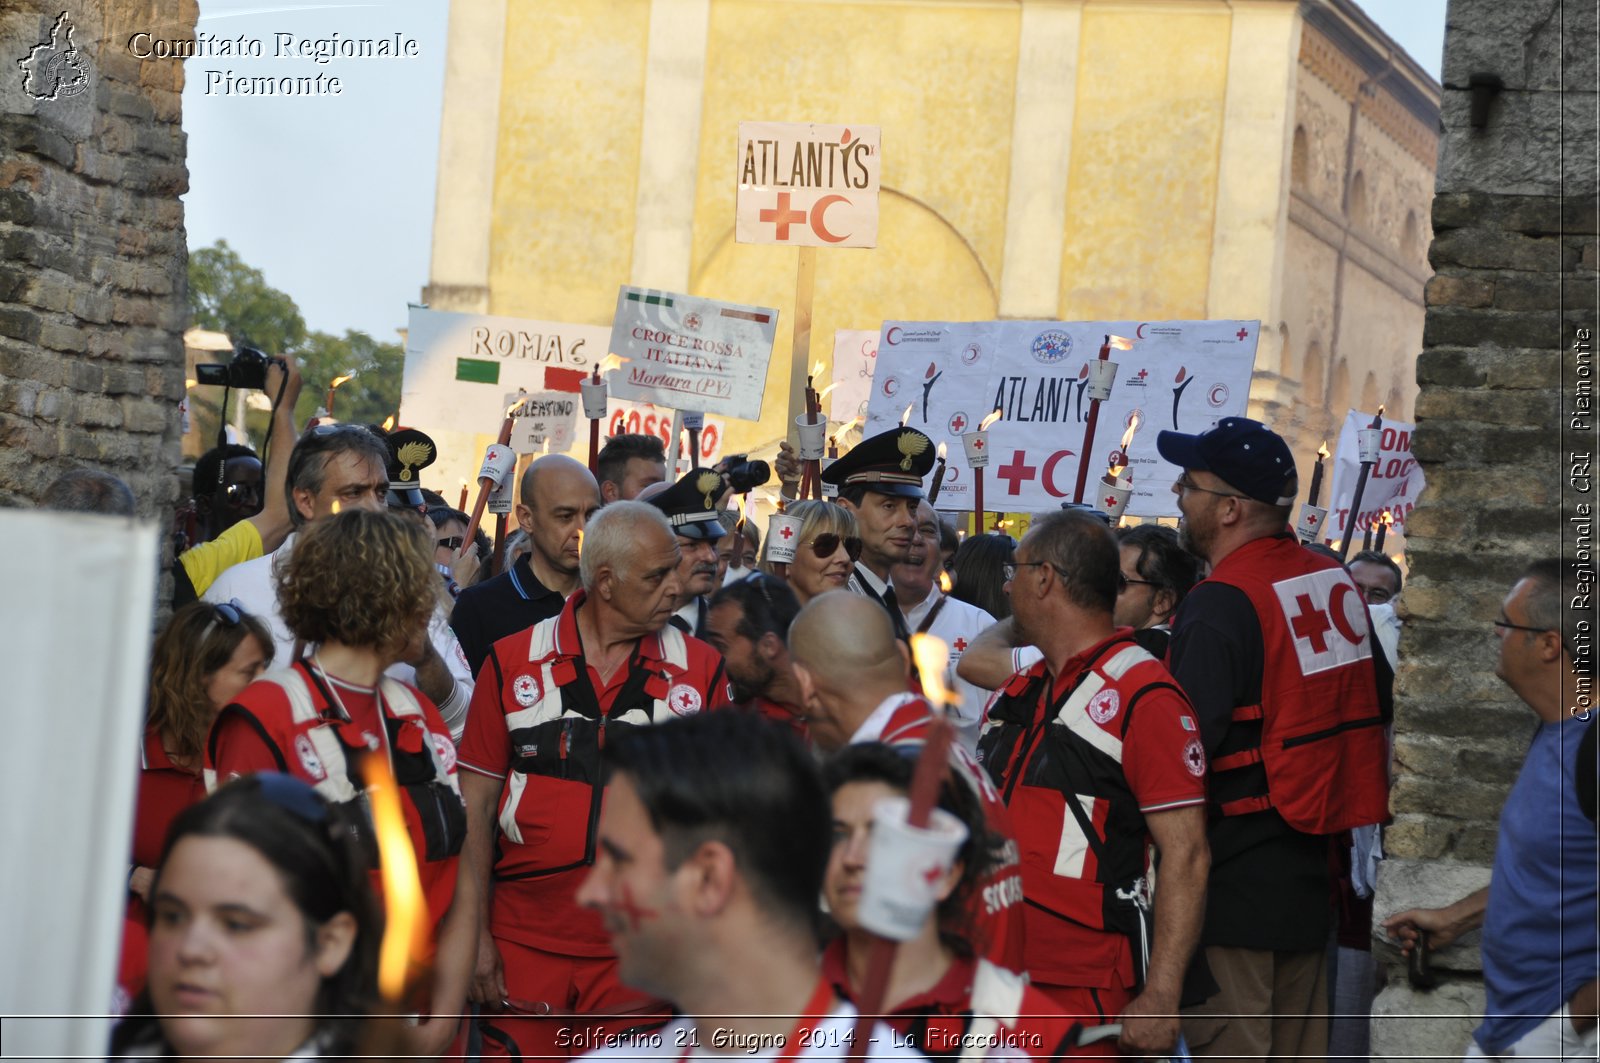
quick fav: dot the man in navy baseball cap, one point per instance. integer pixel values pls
(1245, 455)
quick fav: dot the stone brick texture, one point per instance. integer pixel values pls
(1515, 228)
(93, 255)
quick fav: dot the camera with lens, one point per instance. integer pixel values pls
(247, 371)
(746, 475)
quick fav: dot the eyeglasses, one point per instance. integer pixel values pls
(1126, 582)
(1377, 596)
(1185, 484)
(452, 543)
(824, 546)
(229, 614)
(322, 431)
(1502, 622)
(237, 493)
(1008, 569)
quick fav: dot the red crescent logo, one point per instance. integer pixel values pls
(1139, 332)
(892, 337)
(1341, 619)
(819, 213)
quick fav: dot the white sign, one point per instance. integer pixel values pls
(460, 368)
(688, 353)
(545, 421)
(1179, 375)
(642, 418)
(855, 352)
(1393, 486)
(807, 185)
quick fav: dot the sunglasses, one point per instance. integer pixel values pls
(824, 546)
(229, 614)
(452, 543)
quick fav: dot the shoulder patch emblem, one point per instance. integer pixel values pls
(1104, 705)
(1194, 758)
(684, 700)
(446, 750)
(308, 757)
(525, 688)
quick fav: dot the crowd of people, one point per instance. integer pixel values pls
(641, 762)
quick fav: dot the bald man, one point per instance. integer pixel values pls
(558, 497)
(854, 679)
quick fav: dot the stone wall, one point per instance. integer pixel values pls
(1514, 252)
(93, 254)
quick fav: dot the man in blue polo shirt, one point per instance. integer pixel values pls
(1541, 946)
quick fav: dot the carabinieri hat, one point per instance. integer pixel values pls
(410, 451)
(890, 463)
(691, 504)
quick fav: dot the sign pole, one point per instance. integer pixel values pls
(800, 351)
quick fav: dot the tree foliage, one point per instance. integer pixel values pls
(227, 295)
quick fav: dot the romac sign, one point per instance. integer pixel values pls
(807, 185)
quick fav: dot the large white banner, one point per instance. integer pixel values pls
(1392, 487)
(855, 352)
(807, 185)
(1179, 375)
(692, 354)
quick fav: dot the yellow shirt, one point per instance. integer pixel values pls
(204, 563)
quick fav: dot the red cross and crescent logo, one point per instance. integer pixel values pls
(1103, 706)
(1194, 758)
(445, 749)
(308, 757)
(525, 688)
(684, 700)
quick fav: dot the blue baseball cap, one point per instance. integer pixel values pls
(1246, 455)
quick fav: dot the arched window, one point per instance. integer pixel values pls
(1339, 399)
(1411, 238)
(1357, 212)
(1300, 160)
(1313, 376)
(1369, 394)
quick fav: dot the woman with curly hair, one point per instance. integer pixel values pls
(359, 590)
(826, 553)
(263, 933)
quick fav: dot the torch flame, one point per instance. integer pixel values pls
(1121, 343)
(405, 910)
(610, 362)
(388, 422)
(944, 582)
(983, 425)
(1119, 460)
(190, 383)
(336, 381)
(824, 392)
(905, 418)
(1322, 451)
(738, 525)
(933, 661)
(336, 507)
(817, 369)
(940, 452)
(1388, 519)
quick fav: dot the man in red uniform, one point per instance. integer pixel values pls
(1098, 754)
(1274, 650)
(855, 683)
(748, 624)
(533, 785)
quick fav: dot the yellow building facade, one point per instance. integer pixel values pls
(1063, 159)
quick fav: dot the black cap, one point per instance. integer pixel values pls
(890, 463)
(691, 504)
(1247, 455)
(410, 451)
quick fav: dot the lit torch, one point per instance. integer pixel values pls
(594, 403)
(406, 923)
(1369, 444)
(1102, 373)
(388, 422)
(938, 477)
(495, 469)
(905, 418)
(1116, 489)
(977, 446)
(1312, 515)
(333, 385)
(1383, 530)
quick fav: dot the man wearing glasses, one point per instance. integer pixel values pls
(1541, 949)
(336, 467)
(1275, 651)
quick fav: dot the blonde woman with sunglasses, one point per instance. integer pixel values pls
(830, 542)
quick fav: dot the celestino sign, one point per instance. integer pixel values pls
(807, 185)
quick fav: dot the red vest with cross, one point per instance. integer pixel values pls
(1322, 731)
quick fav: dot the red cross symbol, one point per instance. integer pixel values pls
(957, 423)
(1017, 472)
(1143, 373)
(978, 444)
(1310, 623)
(1242, 333)
(786, 531)
(782, 217)
(931, 875)
(1311, 519)
(960, 644)
(1110, 501)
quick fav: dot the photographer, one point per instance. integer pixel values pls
(252, 536)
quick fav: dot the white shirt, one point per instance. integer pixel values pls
(251, 583)
(871, 729)
(957, 624)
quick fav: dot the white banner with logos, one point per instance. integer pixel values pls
(1392, 487)
(1179, 375)
(807, 185)
(689, 353)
